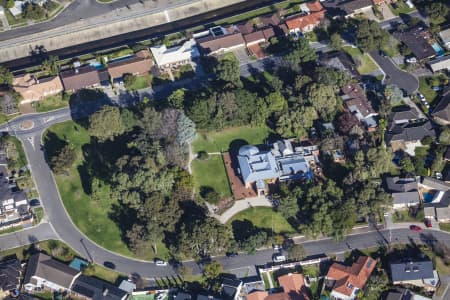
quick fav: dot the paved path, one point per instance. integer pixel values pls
(242, 205)
(394, 75)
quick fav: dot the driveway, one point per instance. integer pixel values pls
(242, 55)
(394, 75)
(242, 205)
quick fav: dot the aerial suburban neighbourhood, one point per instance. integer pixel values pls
(225, 150)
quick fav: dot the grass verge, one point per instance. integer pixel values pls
(211, 173)
(264, 217)
(444, 226)
(52, 103)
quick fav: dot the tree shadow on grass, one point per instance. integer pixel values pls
(52, 145)
(124, 216)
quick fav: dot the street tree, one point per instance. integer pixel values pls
(176, 99)
(336, 42)
(6, 76)
(296, 252)
(437, 12)
(227, 70)
(106, 124)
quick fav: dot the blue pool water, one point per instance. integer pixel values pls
(96, 65)
(428, 197)
(122, 58)
(438, 49)
(78, 264)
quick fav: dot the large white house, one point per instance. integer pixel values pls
(166, 58)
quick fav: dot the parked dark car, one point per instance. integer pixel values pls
(109, 265)
(231, 254)
(415, 228)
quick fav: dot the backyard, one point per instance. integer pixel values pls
(365, 64)
(219, 141)
(91, 217)
(264, 217)
(210, 173)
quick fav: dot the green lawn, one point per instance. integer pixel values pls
(404, 216)
(426, 84)
(211, 173)
(39, 214)
(444, 226)
(265, 217)
(52, 103)
(141, 82)
(11, 229)
(402, 8)
(217, 141)
(91, 217)
(364, 62)
(4, 118)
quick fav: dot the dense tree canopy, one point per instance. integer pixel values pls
(108, 123)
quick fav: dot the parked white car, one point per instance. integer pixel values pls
(279, 258)
(160, 263)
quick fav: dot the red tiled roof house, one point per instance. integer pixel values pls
(310, 17)
(347, 281)
(293, 289)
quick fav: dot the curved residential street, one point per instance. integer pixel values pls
(394, 75)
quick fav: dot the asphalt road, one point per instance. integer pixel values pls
(394, 75)
(42, 232)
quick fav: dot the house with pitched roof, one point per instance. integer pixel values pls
(404, 191)
(355, 7)
(347, 281)
(10, 273)
(445, 37)
(310, 17)
(441, 113)
(414, 271)
(356, 102)
(32, 88)
(138, 64)
(221, 40)
(44, 272)
(418, 40)
(91, 288)
(168, 58)
(80, 78)
(282, 162)
(293, 286)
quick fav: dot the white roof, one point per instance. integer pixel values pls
(17, 8)
(445, 35)
(164, 56)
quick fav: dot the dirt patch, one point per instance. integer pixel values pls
(27, 124)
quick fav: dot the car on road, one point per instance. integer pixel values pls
(160, 262)
(428, 223)
(415, 228)
(109, 265)
(35, 202)
(278, 258)
(231, 254)
(276, 247)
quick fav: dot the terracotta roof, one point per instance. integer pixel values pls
(211, 44)
(294, 286)
(33, 89)
(312, 18)
(258, 295)
(245, 28)
(135, 65)
(257, 36)
(350, 277)
(355, 96)
(80, 78)
(268, 32)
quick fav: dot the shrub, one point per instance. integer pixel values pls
(202, 155)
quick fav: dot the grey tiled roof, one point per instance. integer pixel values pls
(412, 269)
(409, 132)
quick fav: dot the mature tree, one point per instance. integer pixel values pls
(212, 272)
(6, 76)
(176, 99)
(137, 239)
(33, 11)
(254, 241)
(296, 122)
(276, 102)
(205, 237)
(393, 94)
(336, 42)
(437, 12)
(323, 99)
(9, 3)
(63, 160)
(185, 129)
(296, 252)
(300, 82)
(370, 36)
(261, 112)
(51, 65)
(407, 165)
(331, 77)
(107, 123)
(276, 84)
(288, 206)
(300, 53)
(227, 70)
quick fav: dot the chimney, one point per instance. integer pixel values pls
(105, 292)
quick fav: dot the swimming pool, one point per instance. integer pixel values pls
(438, 49)
(78, 264)
(96, 65)
(428, 197)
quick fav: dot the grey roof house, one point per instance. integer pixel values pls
(404, 191)
(414, 271)
(410, 132)
(10, 273)
(95, 289)
(48, 273)
(282, 162)
(418, 40)
(339, 60)
(441, 113)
